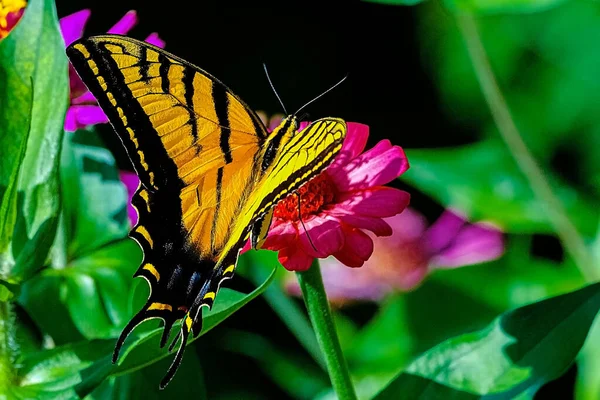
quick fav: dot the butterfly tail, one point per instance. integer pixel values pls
(187, 326)
(135, 321)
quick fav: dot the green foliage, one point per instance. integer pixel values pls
(33, 100)
(483, 181)
(518, 352)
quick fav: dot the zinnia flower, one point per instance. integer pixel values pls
(338, 205)
(402, 261)
(10, 13)
(84, 109)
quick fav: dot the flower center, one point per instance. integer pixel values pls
(314, 195)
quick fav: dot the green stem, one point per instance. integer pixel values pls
(6, 347)
(565, 229)
(313, 292)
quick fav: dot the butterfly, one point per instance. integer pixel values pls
(210, 172)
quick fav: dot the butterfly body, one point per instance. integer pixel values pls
(209, 171)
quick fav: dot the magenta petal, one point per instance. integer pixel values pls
(378, 166)
(89, 115)
(131, 182)
(444, 230)
(343, 284)
(358, 247)
(326, 235)
(72, 25)
(154, 39)
(294, 259)
(86, 98)
(354, 144)
(376, 225)
(71, 124)
(376, 202)
(125, 24)
(473, 245)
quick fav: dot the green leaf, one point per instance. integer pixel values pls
(143, 349)
(93, 259)
(89, 298)
(52, 374)
(143, 385)
(89, 173)
(501, 6)
(483, 181)
(33, 101)
(519, 352)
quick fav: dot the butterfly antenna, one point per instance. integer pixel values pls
(302, 222)
(273, 87)
(322, 94)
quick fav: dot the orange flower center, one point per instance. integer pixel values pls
(314, 195)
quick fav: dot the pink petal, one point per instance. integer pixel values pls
(410, 225)
(86, 98)
(71, 124)
(376, 225)
(444, 230)
(473, 245)
(380, 201)
(246, 247)
(344, 284)
(354, 143)
(125, 24)
(378, 166)
(89, 115)
(72, 25)
(302, 125)
(294, 259)
(154, 39)
(131, 182)
(325, 233)
(357, 249)
(281, 234)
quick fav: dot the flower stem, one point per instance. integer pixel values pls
(313, 292)
(565, 229)
(6, 346)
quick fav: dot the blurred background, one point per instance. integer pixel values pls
(411, 80)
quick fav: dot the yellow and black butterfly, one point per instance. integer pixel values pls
(210, 172)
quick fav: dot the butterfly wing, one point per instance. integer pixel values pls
(194, 145)
(301, 156)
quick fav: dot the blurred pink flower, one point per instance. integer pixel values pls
(341, 203)
(402, 261)
(84, 109)
(131, 182)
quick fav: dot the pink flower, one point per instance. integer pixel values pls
(11, 12)
(402, 261)
(340, 204)
(131, 182)
(84, 109)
